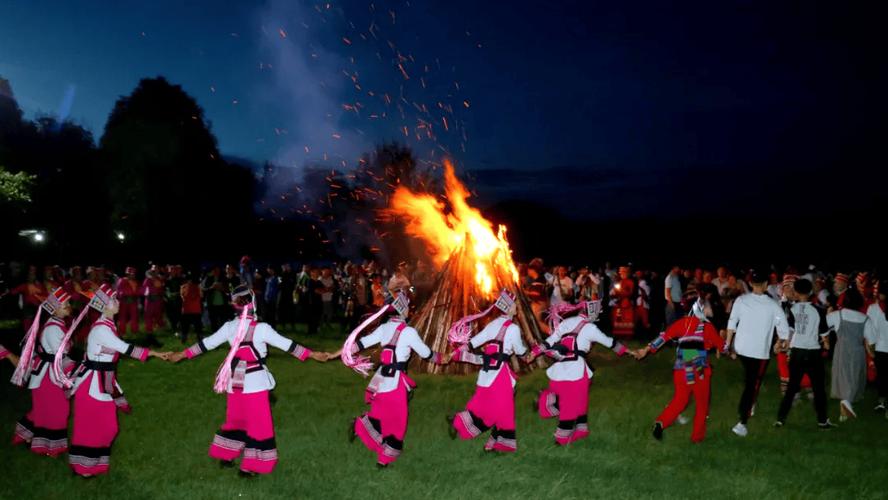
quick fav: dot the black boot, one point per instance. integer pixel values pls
(658, 431)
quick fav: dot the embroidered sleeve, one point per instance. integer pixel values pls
(299, 351)
(657, 343)
(463, 355)
(136, 352)
(619, 348)
(196, 349)
(434, 357)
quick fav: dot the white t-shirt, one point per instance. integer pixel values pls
(673, 285)
(879, 331)
(561, 289)
(574, 369)
(408, 342)
(512, 344)
(754, 318)
(807, 327)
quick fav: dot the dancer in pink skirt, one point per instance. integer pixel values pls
(248, 431)
(45, 427)
(97, 395)
(493, 404)
(567, 396)
(382, 429)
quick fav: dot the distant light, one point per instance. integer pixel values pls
(35, 235)
(120, 236)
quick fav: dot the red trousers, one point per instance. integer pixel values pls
(128, 313)
(783, 372)
(683, 391)
(153, 314)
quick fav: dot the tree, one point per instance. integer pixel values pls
(15, 188)
(169, 187)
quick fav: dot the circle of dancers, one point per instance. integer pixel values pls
(247, 433)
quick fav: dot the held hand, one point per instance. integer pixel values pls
(176, 357)
(642, 353)
(528, 358)
(320, 357)
(733, 354)
(335, 355)
(162, 355)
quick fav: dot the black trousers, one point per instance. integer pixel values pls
(882, 373)
(754, 371)
(191, 320)
(801, 362)
(174, 313)
(218, 315)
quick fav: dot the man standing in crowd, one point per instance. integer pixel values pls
(272, 295)
(127, 289)
(286, 308)
(751, 326)
(173, 296)
(216, 292)
(562, 287)
(673, 293)
(314, 306)
(328, 287)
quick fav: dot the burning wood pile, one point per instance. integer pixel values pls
(474, 265)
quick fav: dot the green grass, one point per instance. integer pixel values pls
(162, 446)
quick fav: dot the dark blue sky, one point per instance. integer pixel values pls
(734, 90)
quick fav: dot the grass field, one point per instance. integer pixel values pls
(161, 450)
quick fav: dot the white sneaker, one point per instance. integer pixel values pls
(682, 420)
(740, 430)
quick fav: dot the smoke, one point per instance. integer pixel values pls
(306, 85)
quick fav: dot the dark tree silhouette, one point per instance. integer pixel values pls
(170, 188)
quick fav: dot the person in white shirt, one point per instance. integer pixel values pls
(878, 343)
(97, 395)
(382, 429)
(45, 426)
(852, 327)
(809, 332)
(721, 281)
(562, 287)
(673, 294)
(248, 430)
(567, 396)
(754, 317)
(493, 404)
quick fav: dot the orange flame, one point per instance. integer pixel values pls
(446, 226)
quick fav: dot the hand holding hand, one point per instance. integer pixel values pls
(320, 357)
(176, 357)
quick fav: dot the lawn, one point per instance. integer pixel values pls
(161, 450)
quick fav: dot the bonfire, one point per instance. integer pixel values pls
(474, 263)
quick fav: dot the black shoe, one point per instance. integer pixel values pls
(226, 464)
(451, 430)
(658, 431)
(244, 473)
(380, 465)
(351, 430)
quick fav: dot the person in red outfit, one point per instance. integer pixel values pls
(33, 292)
(127, 289)
(691, 372)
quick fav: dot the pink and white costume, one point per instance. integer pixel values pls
(46, 425)
(97, 397)
(493, 404)
(248, 430)
(567, 396)
(382, 429)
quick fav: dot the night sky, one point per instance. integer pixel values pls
(628, 108)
